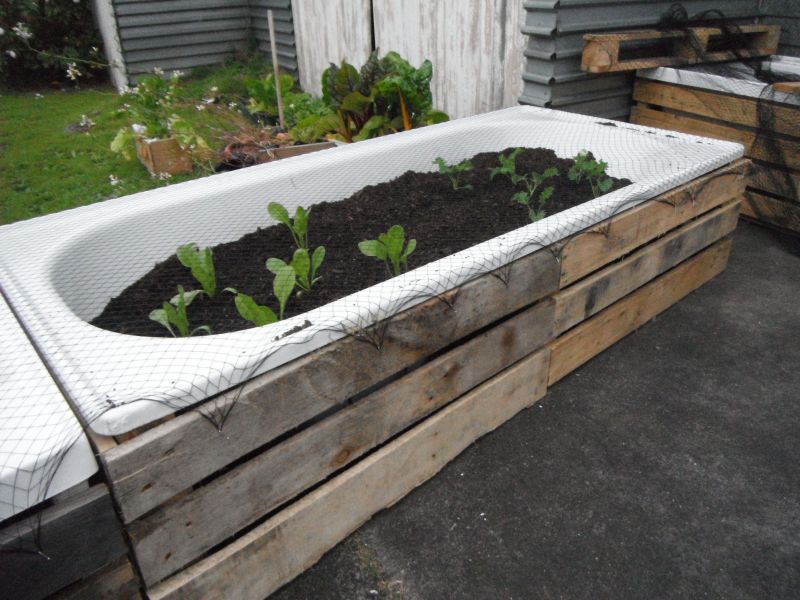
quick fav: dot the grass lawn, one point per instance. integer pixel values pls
(45, 168)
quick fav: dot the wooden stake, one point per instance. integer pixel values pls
(275, 68)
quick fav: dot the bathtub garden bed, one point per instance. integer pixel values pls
(255, 451)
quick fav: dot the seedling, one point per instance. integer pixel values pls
(283, 284)
(252, 311)
(298, 226)
(532, 181)
(201, 263)
(173, 313)
(305, 267)
(586, 167)
(391, 248)
(508, 165)
(453, 172)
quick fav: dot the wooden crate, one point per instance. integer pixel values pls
(313, 449)
(83, 552)
(164, 156)
(773, 194)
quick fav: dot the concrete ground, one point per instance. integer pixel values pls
(667, 467)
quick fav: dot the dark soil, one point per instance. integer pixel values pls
(443, 222)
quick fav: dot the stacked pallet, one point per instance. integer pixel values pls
(312, 449)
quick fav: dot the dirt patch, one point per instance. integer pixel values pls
(442, 221)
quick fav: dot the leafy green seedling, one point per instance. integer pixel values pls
(174, 313)
(252, 311)
(284, 283)
(532, 181)
(305, 267)
(586, 167)
(201, 263)
(298, 226)
(453, 172)
(508, 165)
(391, 248)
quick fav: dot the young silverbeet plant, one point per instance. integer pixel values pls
(252, 311)
(586, 167)
(508, 165)
(298, 226)
(305, 267)
(453, 172)
(201, 263)
(391, 248)
(283, 285)
(532, 181)
(173, 313)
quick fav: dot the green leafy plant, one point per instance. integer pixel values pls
(588, 169)
(263, 93)
(252, 311)
(305, 267)
(532, 182)
(391, 248)
(453, 172)
(508, 165)
(283, 286)
(298, 226)
(173, 313)
(201, 264)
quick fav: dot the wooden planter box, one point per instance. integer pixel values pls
(315, 447)
(163, 156)
(773, 193)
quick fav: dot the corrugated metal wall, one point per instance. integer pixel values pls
(181, 34)
(785, 13)
(555, 28)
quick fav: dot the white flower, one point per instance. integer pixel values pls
(158, 71)
(2, 31)
(38, 96)
(139, 129)
(232, 105)
(164, 176)
(22, 31)
(208, 100)
(73, 72)
(86, 122)
(214, 89)
(95, 49)
(200, 107)
(11, 53)
(113, 180)
(178, 74)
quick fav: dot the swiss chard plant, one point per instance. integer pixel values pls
(173, 314)
(508, 165)
(283, 286)
(305, 267)
(252, 311)
(298, 226)
(201, 264)
(586, 168)
(531, 183)
(391, 248)
(453, 172)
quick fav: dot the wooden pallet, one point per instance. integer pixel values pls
(315, 448)
(773, 193)
(631, 50)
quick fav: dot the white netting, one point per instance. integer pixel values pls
(59, 271)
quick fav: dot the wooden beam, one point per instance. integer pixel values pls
(117, 581)
(591, 337)
(723, 107)
(785, 184)
(163, 461)
(258, 563)
(592, 294)
(600, 244)
(180, 532)
(772, 211)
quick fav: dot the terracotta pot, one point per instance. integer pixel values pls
(163, 156)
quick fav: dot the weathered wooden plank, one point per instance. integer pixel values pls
(781, 213)
(275, 552)
(787, 87)
(116, 581)
(145, 19)
(77, 537)
(779, 151)
(180, 532)
(724, 107)
(591, 337)
(165, 460)
(780, 183)
(592, 294)
(602, 243)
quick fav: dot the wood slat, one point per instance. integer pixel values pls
(275, 552)
(592, 294)
(160, 463)
(602, 243)
(77, 537)
(117, 581)
(724, 107)
(782, 152)
(180, 532)
(772, 210)
(591, 337)
(773, 181)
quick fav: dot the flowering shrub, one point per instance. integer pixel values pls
(45, 40)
